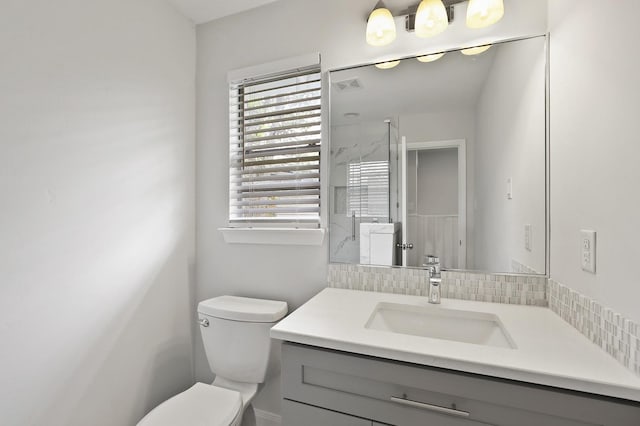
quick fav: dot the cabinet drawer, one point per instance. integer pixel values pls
(296, 414)
(406, 394)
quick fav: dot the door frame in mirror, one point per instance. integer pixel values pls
(461, 146)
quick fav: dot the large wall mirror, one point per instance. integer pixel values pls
(445, 156)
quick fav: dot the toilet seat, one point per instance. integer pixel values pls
(200, 405)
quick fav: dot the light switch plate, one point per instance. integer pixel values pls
(527, 237)
(588, 250)
(509, 188)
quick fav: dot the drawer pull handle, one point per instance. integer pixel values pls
(430, 407)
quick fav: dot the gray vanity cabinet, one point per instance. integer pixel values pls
(331, 388)
(308, 415)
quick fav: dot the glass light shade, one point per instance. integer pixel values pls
(482, 13)
(475, 50)
(387, 65)
(430, 58)
(431, 18)
(381, 28)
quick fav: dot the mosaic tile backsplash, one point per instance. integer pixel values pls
(511, 289)
(618, 336)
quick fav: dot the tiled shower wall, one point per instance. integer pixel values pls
(512, 289)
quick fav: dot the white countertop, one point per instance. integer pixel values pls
(549, 351)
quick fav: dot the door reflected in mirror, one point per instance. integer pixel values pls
(435, 212)
(444, 158)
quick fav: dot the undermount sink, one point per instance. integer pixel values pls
(435, 322)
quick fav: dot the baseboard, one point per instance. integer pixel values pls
(265, 418)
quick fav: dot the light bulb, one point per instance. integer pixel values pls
(387, 65)
(431, 18)
(483, 13)
(475, 50)
(430, 58)
(381, 28)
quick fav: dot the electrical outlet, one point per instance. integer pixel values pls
(588, 250)
(527, 237)
(509, 188)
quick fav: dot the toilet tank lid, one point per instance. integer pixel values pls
(243, 309)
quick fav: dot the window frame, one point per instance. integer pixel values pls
(281, 231)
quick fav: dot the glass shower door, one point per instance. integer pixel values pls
(359, 185)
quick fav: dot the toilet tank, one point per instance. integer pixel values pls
(236, 335)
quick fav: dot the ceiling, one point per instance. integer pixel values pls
(451, 83)
(201, 11)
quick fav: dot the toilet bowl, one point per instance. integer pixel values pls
(201, 405)
(235, 333)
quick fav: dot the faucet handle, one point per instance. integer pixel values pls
(431, 259)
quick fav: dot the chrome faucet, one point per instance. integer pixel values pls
(432, 264)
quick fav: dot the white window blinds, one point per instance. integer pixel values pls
(368, 189)
(275, 135)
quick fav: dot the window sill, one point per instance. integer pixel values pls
(273, 236)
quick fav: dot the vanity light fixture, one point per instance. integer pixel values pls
(431, 18)
(387, 65)
(381, 28)
(430, 58)
(483, 13)
(475, 50)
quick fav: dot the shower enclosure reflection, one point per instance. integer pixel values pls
(446, 158)
(362, 163)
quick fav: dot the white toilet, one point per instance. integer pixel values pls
(235, 332)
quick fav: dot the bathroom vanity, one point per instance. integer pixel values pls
(365, 358)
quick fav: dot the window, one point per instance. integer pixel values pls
(368, 189)
(275, 137)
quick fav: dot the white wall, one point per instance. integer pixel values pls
(510, 143)
(283, 29)
(594, 147)
(97, 219)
